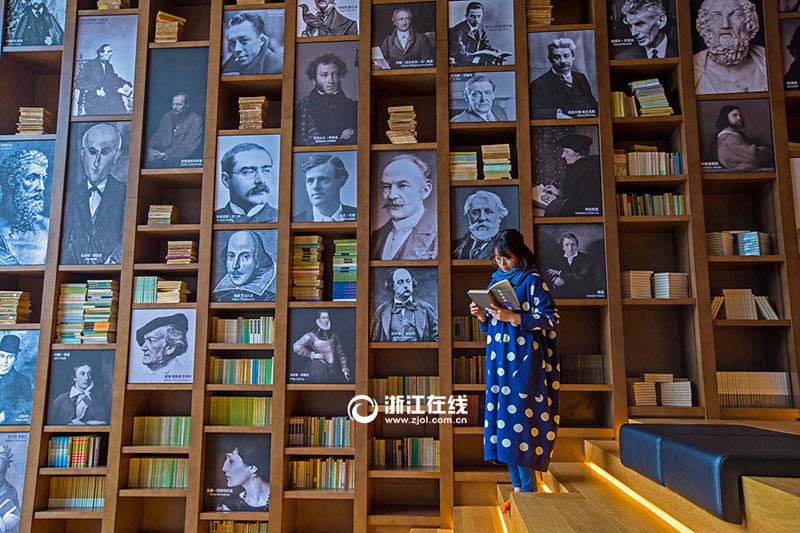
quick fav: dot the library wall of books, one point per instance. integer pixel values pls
(224, 221)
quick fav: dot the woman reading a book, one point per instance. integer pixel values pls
(522, 367)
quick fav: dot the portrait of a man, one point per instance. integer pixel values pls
(735, 150)
(409, 41)
(480, 100)
(407, 197)
(237, 473)
(248, 179)
(244, 268)
(324, 180)
(645, 30)
(579, 192)
(729, 53)
(735, 135)
(162, 351)
(790, 32)
(18, 350)
(321, 18)
(478, 215)
(402, 316)
(472, 42)
(323, 350)
(25, 184)
(13, 453)
(571, 259)
(79, 392)
(35, 23)
(102, 91)
(179, 135)
(95, 204)
(788, 6)
(253, 42)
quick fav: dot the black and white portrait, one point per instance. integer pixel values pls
(572, 259)
(13, 456)
(327, 18)
(248, 168)
(105, 63)
(237, 472)
(728, 40)
(245, 265)
(404, 304)
(483, 97)
(566, 171)
(26, 181)
(735, 135)
(252, 42)
(403, 35)
(642, 29)
(35, 22)
(18, 354)
(176, 106)
(326, 94)
(477, 215)
(97, 181)
(481, 33)
(563, 74)
(322, 344)
(324, 186)
(788, 6)
(162, 346)
(404, 223)
(790, 38)
(80, 387)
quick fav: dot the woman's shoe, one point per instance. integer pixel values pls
(505, 506)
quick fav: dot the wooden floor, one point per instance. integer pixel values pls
(477, 519)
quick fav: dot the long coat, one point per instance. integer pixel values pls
(91, 78)
(420, 244)
(549, 93)
(88, 242)
(523, 378)
(419, 50)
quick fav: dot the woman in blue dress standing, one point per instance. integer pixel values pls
(523, 374)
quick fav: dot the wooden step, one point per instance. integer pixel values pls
(562, 512)
(429, 530)
(477, 519)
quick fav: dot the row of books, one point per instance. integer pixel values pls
(496, 160)
(162, 214)
(582, 368)
(754, 389)
(646, 284)
(380, 388)
(74, 451)
(252, 112)
(469, 369)
(240, 371)
(15, 307)
(77, 492)
(232, 526)
(158, 472)
(648, 204)
(344, 269)
(87, 312)
(538, 13)
(402, 124)
(307, 268)
(318, 473)
(465, 329)
(742, 304)
(155, 290)
(333, 432)
(659, 390)
(241, 411)
(738, 242)
(181, 252)
(646, 161)
(35, 121)
(161, 430)
(644, 98)
(259, 330)
(405, 452)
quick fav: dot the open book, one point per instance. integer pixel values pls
(501, 294)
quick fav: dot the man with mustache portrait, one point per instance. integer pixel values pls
(404, 318)
(250, 270)
(562, 91)
(484, 211)
(23, 221)
(247, 174)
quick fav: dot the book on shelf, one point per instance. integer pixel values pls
(240, 371)
(402, 124)
(158, 472)
(466, 329)
(738, 242)
(252, 112)
(307, 268)
(501, 294)
(742, 304)
(754, 389)
(169, 28)
(496, 161)
(241, 330)
(77, 492)
(181, 252)
(463, 165)
(582, 368)
(87, 312)
(320, 431)
(670, 285)
(538, 13)
(648, 204)
(382, 388)
(234, 526)
(161, 430)
(637, 284)
(74, 451)
(405, 452)
(35, 121)
(110, 5)
(659, 389)
(641, 161)
(719, 243)
(644, 98)
(319, 473)
(162, 215)
(241, 411)
(470, 369)
(15, 307)
(344, 270)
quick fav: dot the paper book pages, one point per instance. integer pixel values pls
(716, 306)
(642, 393)
(181, 252)
(35, 121)
(539, 13)
(671, 285)
(740, 304)
(162, 214)
(719, 243)
(169, 28)
(344, 270)
(765, 309)
(582, 368)
(252, 112)
(496, 161)
(675, 393)
(636, 284)
(463, 166)
(754, 389)
(15, 307)
(113, 4)
(753, 243)
(307, 268)
(402, 125)
(503, 292)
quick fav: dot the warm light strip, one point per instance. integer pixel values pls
(545, 488)
(663, 515)
(499, 512)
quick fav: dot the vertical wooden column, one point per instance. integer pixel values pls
(524, 167)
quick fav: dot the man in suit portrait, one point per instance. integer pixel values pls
(178, 136)
(23, 224)
(16, 391)
(484, 211)
(411, 231)
(163, 342)
(735, 149)
(251, 49)
(562, 92)
(82, 404)
(469, 42)
(95, 205)
(572, 275)
(479, 93)
(791, 78)
(326, 21)
(37, 27)
(580, 189)
(404, 318)
(250, 270)
(247, 174)
(647, 22)
(405, 47)
(324, 176)
(102, 92)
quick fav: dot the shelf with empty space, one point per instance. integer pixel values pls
(25, 326)
(22, 269)
(737, 262)
(656, 224)
(180, 44)
(239, 346)
(336, 387)
(403, 345)
(40, 59)
(237, 429)
(658, 302)
(87, 471)
(404, 515)
(408, 472)
(159, 386)
(14, 429)
(658, 180)
(724, 323)
(234, 515)
(238, 387)
(636, 126)
(732, 182)
(318, 494)
(91, 269)
(759, 413)
(665, 411)
(325, 304)
(68, 514)
(169, 230)
(318, 450)
(646, 67)
(137, 449)
(152, 493)
(404, 81)
(176, 177)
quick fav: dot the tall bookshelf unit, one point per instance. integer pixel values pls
(634, 336)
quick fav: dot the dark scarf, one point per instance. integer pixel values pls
(514, 276)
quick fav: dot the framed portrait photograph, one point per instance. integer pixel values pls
(788, 6)
(326, 93)
(790, 38)
(483, 97)
(403, 35)
(248, 174)
(563, 74)
(252, 42)
(26, 184)
(481, 33)
(80, 387)
(642, 29)
(572, 259)
(13, 458)
(403, 203)
(245, 264)
(735, 135)
(327, 18)
(567, 180)
(477, 215)
(35, 23)
(728, 57)
(162, 346)
(237, 469)
(322, 344)
(404, 304)
(324, 186)
(176, 107)
(97, 183)
(105, 64)
(18, 356)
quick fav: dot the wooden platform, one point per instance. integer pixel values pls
(477, 519)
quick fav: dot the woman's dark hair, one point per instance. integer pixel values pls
(511, 242)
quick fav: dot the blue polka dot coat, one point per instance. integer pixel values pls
(523, 377)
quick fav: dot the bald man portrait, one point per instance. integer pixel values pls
(249, 269)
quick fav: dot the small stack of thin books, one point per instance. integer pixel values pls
(15, 307)
(100, 311)
(145, 289)
(252, 112)
(539, 13)
(344, 269)
(307, 268)
(752, 243)
(169, 28)
(71, 299)
(35, 121)
(162, 214)
(249, 2)
(742, 304)
(677, 393)
(402, 124)
(181, 252)
(113, 4)
(463, 166)
(671, 285)
(719, 243)
(651, 98)
(171, 291)
(636, 284)
(642, 393)
(496, 161)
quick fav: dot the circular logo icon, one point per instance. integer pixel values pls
(353, 408)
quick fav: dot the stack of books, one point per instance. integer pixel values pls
(181, 252)
(231, 526)
(740, 304)
(171, 291)
(307, 268)
(145, 289)
(642, 393)
(623, 105)
(158, 472)
(113, 4)
(318, 473)
(344, 270)
(318, 431)
(582, 368)
(539, 13)
(256, 330)
(752, 243)
(100, 311)
(15, 307)
(86, 493)
(35, 121)
(71, 299)
(402, 124)
(671, 285)
(252, 112)
(169, 28)
(636, 284)
(463, 166)
(647, 204)
(405, 452)
(496, 161)
(676, 393)
(162, 214)
(719, 243)
(642, 160)
(471, 369)
(77, 451)
(651, 98)
(754, 389)
(161, 430)
(466, 329)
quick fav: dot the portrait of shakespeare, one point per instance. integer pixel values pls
(249, 271)
(249, 49)
(24, 220)
(731, 62)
